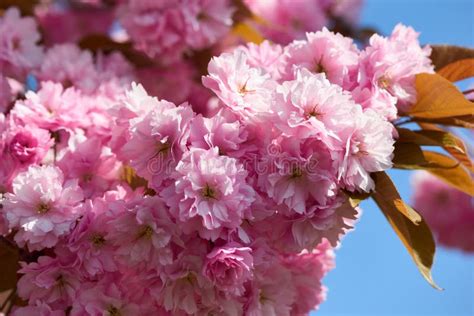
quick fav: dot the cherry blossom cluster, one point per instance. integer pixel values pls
(170, 31)
(167, 29)
(229, 202)
(287, 20)
(449, 212)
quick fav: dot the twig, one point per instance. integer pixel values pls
(402, 122)
(468, 91)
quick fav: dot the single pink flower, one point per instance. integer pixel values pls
(244, 89)
(49, 281)
(43, 207)
(206, 21)
(369, 148)
(229, 267)
(19, 51)
(210, 187)
(324, 52)
(448, 211)
(287, 20)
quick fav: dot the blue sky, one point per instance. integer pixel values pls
(374, 274)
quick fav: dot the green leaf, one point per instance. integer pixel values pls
(458, 70)
(439, 98)
(8, 266)
(417, 238)
(387, 194)
(442, 55)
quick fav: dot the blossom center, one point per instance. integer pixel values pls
(97, 240)
(319, 68)
(384, 82)
(162, 148)
(296, 173)
(262, 298)
(43, 208)
(313, 112)
(16, 43)
(360, 150)
(208, 192)
(243, 89)
(146, 232)
(113, 311)
(87, 177)
(202, 16)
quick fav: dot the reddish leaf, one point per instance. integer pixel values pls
(355, 198)
(442, 55)
(457, 176)
(388, 196)
(247, 32)
(431, 135)
(439, 98)
(406, 155)
(458, 70)
(466, 121)
(417, 238)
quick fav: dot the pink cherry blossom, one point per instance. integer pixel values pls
(142, 233)
(28, 144)
(40, 309)
(390, 65)
(107, 296)
(369, 148)
(310, 105)
(267, 56)
(221, 131)
(206, 21)
(19, 51)
(448, 211)
(92, 164)
(305, 268)
(88, 244)
(70, 66)
(156, 27)
(158, 140)
(229, 266)
(210, 187)
(49, 281)
(324, 52)
(288, 20)
(43, 207)
(298, 177)
(244, 89)
(51, 108)
(132, 182)
(61, 25)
